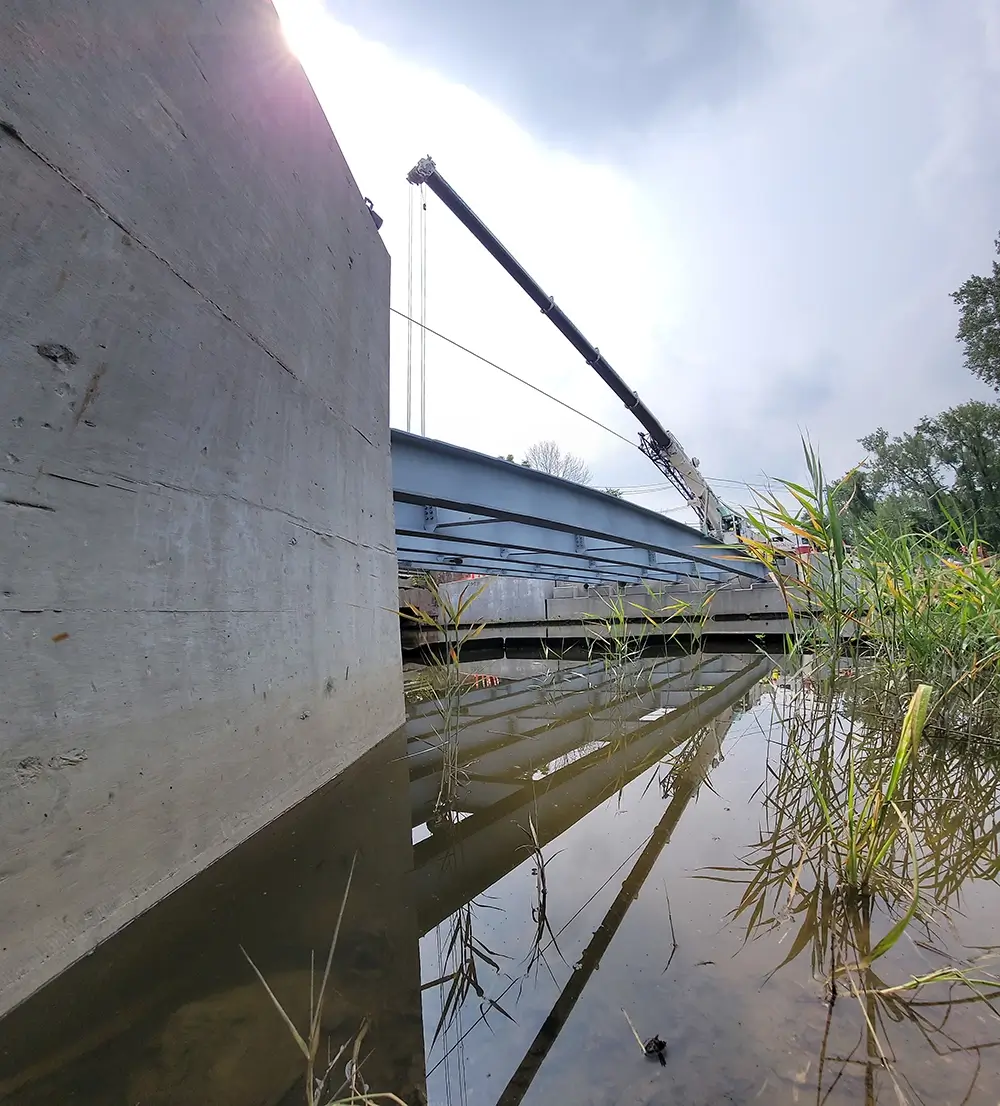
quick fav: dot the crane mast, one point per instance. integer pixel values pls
(661, 447)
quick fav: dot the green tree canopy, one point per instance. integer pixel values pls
(979, 326)
(948, 466)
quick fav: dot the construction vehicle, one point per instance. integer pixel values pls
(662, 448)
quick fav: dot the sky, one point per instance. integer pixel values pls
(757, 209)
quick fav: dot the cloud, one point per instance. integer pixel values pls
(583, 73)
(757, 209)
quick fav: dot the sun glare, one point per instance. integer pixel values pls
(302, 22)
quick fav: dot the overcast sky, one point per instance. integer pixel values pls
(757, 209)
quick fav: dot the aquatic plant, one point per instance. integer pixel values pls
(446, 620)
(863, 837)
(621, 633)
(835, 815)
(465, 950)
(319, 1070)
(902, 608)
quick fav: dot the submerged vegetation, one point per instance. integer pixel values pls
(321, 1062)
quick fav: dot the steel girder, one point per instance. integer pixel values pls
(458, 510)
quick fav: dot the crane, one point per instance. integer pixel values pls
(660, 446)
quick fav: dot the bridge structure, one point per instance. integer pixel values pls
(194, 304)
(459, 510)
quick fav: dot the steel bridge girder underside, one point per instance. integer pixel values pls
(458, 510)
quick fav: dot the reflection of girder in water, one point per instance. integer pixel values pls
(454, 867)
(532, 713)
(567, 691)
(552, 688)
(533, 743)
(557, 683)
(688, 782)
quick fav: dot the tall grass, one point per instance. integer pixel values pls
(878, 806)
(447, 618)
(910, 609)
(837, 838)
(461, 953)
(864, 835)
(621, 633)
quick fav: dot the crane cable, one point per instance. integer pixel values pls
(423, 309)
(520, 379)
(409, 312)
(639, 489)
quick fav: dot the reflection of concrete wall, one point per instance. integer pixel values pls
(168, 1012)
(195, 515)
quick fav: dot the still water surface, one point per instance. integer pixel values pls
(596, 823)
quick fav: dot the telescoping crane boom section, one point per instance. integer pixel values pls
(661, 447)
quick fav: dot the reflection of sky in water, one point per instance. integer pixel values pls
(732, 1033)
(168, 1011)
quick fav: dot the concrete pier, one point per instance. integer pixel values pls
(197, 570)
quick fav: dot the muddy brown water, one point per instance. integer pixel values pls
(632, 787)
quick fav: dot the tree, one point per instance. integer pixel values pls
(615, 492)
(946, 468)
(979, 326)
(967, 439)
(909, 470)
(548, 457)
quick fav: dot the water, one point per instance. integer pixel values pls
(635, 807)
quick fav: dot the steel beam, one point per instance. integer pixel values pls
(456, 508)
(480, 539)
(419, 556)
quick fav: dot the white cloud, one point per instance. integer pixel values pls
(780, 259)
(581, 228)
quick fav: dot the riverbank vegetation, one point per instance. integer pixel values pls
(883, 792)
(897, 558)
(881, 798)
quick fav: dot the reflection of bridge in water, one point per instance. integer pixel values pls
(551, 749)
(537, 756)
(168, 1010)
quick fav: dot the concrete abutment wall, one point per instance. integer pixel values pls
(196, 542)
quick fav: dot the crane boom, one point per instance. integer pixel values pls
(660, 446)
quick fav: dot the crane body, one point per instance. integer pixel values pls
(660, 446)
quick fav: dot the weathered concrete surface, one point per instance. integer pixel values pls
(169, 1013)
(196, 536)
(496, 598)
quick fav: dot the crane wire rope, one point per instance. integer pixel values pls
(423, 309)
(409, 310)
(636, 489)
(520, 379)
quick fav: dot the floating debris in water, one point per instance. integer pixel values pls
(656, 1048)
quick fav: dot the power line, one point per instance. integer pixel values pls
(651, 489)
(513, 376)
